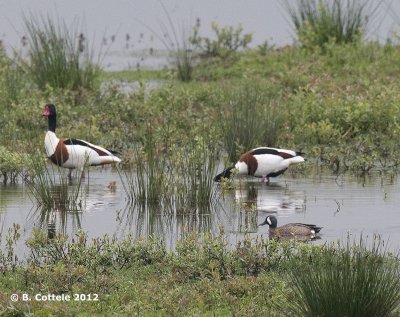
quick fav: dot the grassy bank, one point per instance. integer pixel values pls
(203, 276)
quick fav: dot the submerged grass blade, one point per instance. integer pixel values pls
(52, 189)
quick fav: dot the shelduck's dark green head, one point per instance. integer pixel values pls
(51, 114)
(49, 110)
(225, 174)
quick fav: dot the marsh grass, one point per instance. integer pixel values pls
(195, 166)
(56, 56)
(180, 176)
(252, 119)
(52, 189)
(11, 78)
(144, 182)
(318, 22)
(354, 280)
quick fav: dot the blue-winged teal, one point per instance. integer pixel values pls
(296, 230)
(263, 162)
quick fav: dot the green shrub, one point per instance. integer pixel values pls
(12, 165)
(228, 41)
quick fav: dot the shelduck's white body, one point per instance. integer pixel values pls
(263, 162)
(73, 153)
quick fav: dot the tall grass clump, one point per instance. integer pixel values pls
(58, 55)
(145, 183)
(52, 189)
(318, 22)
(351, 281)
(180, 176)
(195, 166)
(252, 119)
(146, 180)
(11, 79)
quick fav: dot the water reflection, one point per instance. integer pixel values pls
(56, 220)
(274, 198)
(368, 206)
(166, 221)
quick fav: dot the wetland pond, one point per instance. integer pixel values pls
(342, 204)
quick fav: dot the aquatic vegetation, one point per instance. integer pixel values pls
(354, 280)
(52, 189)
(12, 165)
(180, 176)
(195, 166)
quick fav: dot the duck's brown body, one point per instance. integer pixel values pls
(298, 231)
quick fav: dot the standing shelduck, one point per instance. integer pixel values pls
(73, 153)
(264, 162)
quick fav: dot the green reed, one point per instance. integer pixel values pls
(144, 183)
(354, 280)
(52, 188)
(59, 55)
(195, 167)
(147, 181)
(318, 22)
(167, 176)
(252, 119)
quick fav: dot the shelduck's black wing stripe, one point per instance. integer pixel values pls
(76, 142)
(83, 143)
(266, 150)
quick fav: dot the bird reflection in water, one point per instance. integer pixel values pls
(255, 200)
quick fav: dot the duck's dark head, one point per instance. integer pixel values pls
(225, 174)
(271, 221)
(49, 110)
(51, 114)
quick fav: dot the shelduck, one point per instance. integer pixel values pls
(264, 162)
(301, 231)
(73, 153)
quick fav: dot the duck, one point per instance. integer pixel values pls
(299, 231)
(264, 162)
(73, 153)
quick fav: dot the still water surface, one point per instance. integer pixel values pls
(342, 205)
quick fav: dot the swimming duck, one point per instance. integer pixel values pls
(301, 231)
(73, 153)
(264, 162)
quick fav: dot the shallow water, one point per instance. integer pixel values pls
(343, 205)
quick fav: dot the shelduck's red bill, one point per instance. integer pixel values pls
(46, 112)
